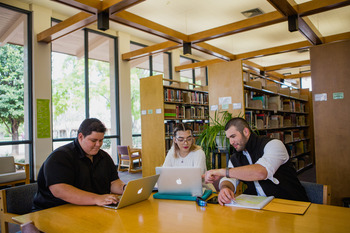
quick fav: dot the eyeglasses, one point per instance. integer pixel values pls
(182, 140)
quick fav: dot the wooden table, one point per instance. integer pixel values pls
(154, 215)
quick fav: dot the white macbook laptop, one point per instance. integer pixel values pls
(136, 191)
(180, 181)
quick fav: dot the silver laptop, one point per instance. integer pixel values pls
(180, 181)
(136, 191)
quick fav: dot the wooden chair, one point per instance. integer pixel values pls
(317, 193)
(15, 201)
(8, 173)
(126, 157)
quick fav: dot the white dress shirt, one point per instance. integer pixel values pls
(275, 155)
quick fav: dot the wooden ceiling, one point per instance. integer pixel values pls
(214, 42)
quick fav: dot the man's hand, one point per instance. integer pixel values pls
(226, 195)
(213, 175)
(106, 199)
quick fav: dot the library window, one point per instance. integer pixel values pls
(85, 85)
(197, 75)
(141, 68)
(15, 84)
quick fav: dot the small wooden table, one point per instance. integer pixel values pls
(155, 215)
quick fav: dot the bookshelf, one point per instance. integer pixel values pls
(164, 103)
(282, 113)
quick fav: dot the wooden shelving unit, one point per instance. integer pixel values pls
(283, 113)
(164, 103)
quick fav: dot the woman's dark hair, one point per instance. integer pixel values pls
(239, 123)
(91, 124)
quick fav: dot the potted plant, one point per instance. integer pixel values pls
(213, 135)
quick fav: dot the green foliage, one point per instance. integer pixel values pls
(207, 137)
(68, 92)
(11, 88)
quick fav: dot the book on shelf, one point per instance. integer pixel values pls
(251, 201)
(169, 111)
(288, 105)
(276, 121)
(274, 103)
(277, 135)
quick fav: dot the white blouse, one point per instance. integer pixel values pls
(193, 159)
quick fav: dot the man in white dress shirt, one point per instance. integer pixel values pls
(261, 163)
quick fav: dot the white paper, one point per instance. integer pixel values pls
(237, 105)
(214, 107)
(225, 100)
(158, 111)
(321, 97)
(143, 112)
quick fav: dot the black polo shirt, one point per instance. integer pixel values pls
(68, 164)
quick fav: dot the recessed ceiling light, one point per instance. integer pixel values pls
(252, 12)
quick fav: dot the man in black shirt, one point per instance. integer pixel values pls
(79, 172)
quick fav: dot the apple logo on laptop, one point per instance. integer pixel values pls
(140, 191)
(178, 181)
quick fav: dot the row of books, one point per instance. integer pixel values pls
(277, 103)
(300, 163)
(298, 148)
(266, 120)
(196, 126)
(173, 111)
(287, 136)
(189, 97)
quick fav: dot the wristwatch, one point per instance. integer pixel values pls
(228, 172)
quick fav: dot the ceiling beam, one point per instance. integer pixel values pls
(197, 64)
(10, 32)
(315, 7)
(123, 5)
(295, 22)
(338, 37)
(292, 76)
(78, 5)
(153, 49)
(274, 75)
(287, 65)
(274, 50)
(212, 50)
(134, 21)
(67, 26)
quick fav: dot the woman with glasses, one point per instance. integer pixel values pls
(184, 152)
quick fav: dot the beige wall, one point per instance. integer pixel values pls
(330, 74)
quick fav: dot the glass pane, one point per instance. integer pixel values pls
(186, 75)
(160, 64)
(200, 75)
(100, 61)
(139, 69)
(14, 99)
(306, 83)
(68, 85)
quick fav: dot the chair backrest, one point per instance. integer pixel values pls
(123, 150)
(317, 193)
(7, 164)
(19, 199)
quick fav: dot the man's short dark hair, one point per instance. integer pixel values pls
(239, 123)
(91, 124)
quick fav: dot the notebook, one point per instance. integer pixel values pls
(185, 181)
(136, 191)
(250, 201)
